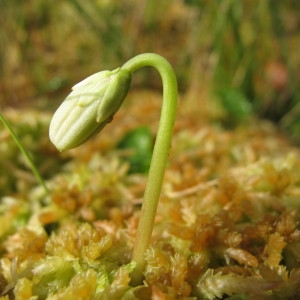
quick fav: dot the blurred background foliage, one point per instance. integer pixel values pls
(242, 54)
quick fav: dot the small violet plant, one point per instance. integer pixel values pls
(93, 103)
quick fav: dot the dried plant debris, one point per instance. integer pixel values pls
(227, 226)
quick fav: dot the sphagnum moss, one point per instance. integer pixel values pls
(227, 224)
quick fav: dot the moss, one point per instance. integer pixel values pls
(227, 224)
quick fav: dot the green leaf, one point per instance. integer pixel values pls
(235, 104)
(140, 141)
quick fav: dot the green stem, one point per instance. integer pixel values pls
(160, 153)
(25, 153)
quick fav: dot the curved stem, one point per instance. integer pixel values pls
(159, 156)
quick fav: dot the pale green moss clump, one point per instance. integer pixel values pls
(227, 224)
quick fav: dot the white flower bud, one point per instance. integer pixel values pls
(88, 108)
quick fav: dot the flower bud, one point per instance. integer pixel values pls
(88, 108)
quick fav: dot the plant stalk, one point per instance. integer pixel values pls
(159, 156)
